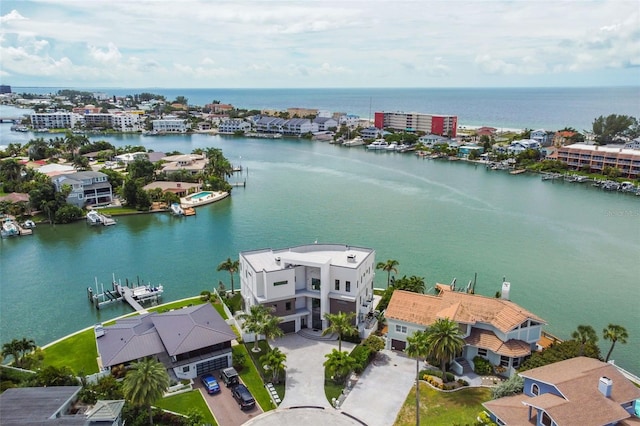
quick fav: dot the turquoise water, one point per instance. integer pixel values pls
(571, 251)
(201, 194)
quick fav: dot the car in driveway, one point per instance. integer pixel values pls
(243, 397)
(210, 384)
(230, 377)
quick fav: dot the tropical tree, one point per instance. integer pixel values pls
(145, 383)
(445, 342)
(274, 361)
(254, 320)
(417, 347)
(615, 333)
(339, 364)
(389, 266)
(230, 266)
(413, 283)
(584, 334)
(12, 348)
(271, 327)
(341, 323)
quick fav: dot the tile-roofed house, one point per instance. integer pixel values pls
(55, 405)
(496, 329)
(577, 391)
(190, 341)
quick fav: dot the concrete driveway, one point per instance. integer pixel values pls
(225, 409)
(305, 372)
(381, 390)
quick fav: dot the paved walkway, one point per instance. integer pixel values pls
(382, 389)
(305, 372)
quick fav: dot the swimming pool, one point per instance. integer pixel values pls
(200, 194)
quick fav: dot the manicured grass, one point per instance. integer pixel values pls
(117, 211)
(443, 408)
(78, 352)
(255, 356)
(252, 379)
(184, 402)
(177, 305)
(331, 388)
(220, 308)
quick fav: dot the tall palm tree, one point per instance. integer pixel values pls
(145, 383)
(230, 266)
(341, 323)
(615, 333)
(12, 348)
(271, 327)
(274, 359)
(389, 266)
(253, 322)
(26, 346)
(445, 342)
(417, 348)
(584, 334)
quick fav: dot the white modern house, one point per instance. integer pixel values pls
(231, 126)
(516, 147)
(304, 283)
(170, 124)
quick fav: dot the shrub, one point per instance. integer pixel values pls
(438, 373)
(362, 354)
(463, 382)
(482, 366)
(205, 295)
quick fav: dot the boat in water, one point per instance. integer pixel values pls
(9, 228)
(378, 144)
(94, 218)
(176, 209)
(29, 224)
(357, 141)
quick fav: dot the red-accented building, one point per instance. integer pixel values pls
(443, 125)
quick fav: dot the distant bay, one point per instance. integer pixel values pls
(533, 108)
(571, 251)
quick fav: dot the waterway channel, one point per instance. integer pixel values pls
(571, 251)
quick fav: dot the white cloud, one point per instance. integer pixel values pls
(111, 54)
(14, 15)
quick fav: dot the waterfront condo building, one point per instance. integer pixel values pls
(55, 120)
(443, 125)
(302, 284)
(596, 158)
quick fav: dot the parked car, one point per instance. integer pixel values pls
(230, 377)
(210, 384)
(243, 397)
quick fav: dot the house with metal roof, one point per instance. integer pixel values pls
(577, 391)
(190, 341)
(496, 329)
(56, 405)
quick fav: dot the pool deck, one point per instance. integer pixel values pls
(212, 197)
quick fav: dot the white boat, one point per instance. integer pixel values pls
(176, 209)
(9, 229)
(357, 141)
(402, 147)
(94, 218)
(378, 144)
(29, 224)
(392, 146)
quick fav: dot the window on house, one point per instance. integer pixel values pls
(482, 352)
(401, 329)
(516, 363)
(535, 389)
(546, 420)
(337, 287)
(504, 361)
(277, 283)
(347, 286)
(185, 369)
(315, 283)
(287, 306)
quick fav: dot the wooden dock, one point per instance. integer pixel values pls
(134, 295)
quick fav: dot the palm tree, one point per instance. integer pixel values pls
(271, 327)
(253, 322)
(230, 266)
(26, 346)
(414, 284)
(417, 348)
(584, 334)
(388, 266)
(615, 333)
(12, 348)
(339, 364)
(145, 383)
(445, 341)
(341, 323)
(274, 360)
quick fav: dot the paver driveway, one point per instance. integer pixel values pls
(305, 372)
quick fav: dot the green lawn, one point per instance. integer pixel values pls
(255, 356)
(252, 379)
(78, 352)
(443, 408)
(184, 402)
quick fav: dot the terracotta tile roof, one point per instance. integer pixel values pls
(487, 340)
(464, 308)
(580, 403)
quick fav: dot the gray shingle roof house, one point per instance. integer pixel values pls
(55, 405)
(87, 188)
(190, 341)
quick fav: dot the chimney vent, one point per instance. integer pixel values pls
(506, 285)
(277, 259)
(351, 258)
(604, 386)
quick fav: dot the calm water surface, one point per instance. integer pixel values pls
(571, 252)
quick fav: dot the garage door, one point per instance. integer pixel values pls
(398, 345)
(212, 365)
(288, 327)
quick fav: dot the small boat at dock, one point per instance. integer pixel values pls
(176, 209)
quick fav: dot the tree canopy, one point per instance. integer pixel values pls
(612, 127)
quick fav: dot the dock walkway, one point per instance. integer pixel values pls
(127, 294)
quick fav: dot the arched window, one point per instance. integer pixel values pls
(535, 389)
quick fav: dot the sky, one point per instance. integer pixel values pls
(319, 44)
